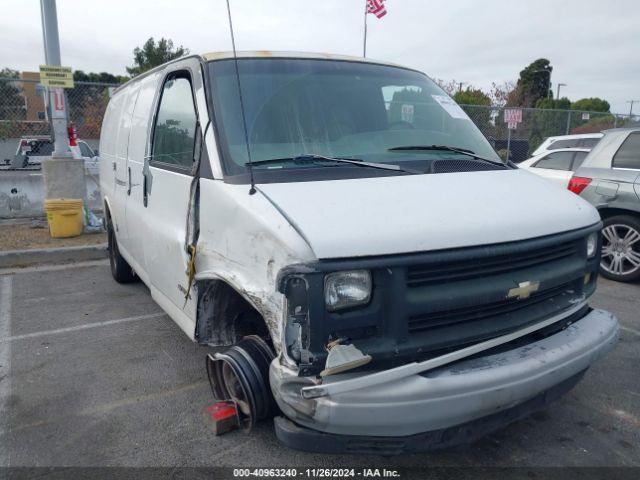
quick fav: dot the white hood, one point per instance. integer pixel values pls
(416, 213)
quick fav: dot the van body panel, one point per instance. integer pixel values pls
(245, 241)
(136, 217)
(419, 213)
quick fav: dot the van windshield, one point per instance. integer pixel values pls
(337, 109)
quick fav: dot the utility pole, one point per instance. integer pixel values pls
(631, 108)
(460, 84)
(63, 176)
(558, 94)
(52, 57)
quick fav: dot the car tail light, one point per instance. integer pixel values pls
(578, 184)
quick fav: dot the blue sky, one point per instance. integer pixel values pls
(593, 45)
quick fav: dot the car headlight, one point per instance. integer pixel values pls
(347, 289)
(592, 244)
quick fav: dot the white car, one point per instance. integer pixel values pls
(583, 140)
(557, 166)
(31, 151)
(376, 273)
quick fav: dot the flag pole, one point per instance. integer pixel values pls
(364, 49)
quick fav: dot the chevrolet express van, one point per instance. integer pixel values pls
(376, 277)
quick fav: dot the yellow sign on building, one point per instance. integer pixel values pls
(59, 77)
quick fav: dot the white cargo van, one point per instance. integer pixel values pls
(382, 282)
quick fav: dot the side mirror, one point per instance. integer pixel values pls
(96, 153)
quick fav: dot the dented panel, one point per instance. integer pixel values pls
(245, 241)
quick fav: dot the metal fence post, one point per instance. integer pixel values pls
(568, 122)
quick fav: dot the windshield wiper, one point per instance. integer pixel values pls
(308, 157)
(446, 148)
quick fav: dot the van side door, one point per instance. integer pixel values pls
(137, 157)
(167, 185)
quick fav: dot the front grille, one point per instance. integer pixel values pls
(555, 298)
(444, 272)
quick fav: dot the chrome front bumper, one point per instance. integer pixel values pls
(449, 395)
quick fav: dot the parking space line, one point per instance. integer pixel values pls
(7, 339)
(50, 268)
(5, 364)
(631, 330)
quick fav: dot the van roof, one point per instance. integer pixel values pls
(212, 56)
(286, 54)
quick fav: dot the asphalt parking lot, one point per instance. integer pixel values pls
(92, 373)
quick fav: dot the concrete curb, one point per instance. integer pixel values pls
(25, 258)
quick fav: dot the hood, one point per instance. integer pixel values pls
(417, 213)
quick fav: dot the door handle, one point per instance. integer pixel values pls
(129, 179)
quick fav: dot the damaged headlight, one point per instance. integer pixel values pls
(347, 289)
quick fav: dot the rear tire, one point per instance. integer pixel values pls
(120, 268)
(621, 248)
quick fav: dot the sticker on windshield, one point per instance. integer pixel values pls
(452, 108)
(406, 114)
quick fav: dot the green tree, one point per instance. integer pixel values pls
(591, 105)
(533, 85)
(88, 100)
(12, 103)
(474, 102)
(548, 120)
(153, 54)
(472, 96)
(103, 77)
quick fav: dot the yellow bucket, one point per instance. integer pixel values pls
(64, 217)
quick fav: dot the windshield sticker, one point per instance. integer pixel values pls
(452, 108)
(406, 114)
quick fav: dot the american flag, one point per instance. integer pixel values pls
(376, 7)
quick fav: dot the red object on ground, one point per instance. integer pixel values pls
(222, 417)
(73, 135)
(578, 184)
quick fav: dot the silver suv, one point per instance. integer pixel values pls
(609, 179)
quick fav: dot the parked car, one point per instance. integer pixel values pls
(584, 140)
(609, 179)
(31, 151)
(351, 237)
(557, 166)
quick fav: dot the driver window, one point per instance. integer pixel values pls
(175, 127)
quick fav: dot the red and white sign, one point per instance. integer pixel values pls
(512, 117)
(58, 103)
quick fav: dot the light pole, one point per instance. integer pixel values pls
(631, 108)
(558, 94)
(63, 176)
(52, 57)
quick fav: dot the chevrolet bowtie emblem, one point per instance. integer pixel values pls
(523, 290)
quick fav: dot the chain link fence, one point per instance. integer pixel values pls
(23, 111)
(538, 124)
(23, 114)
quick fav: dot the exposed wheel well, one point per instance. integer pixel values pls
(607, 212)
(225, 316)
